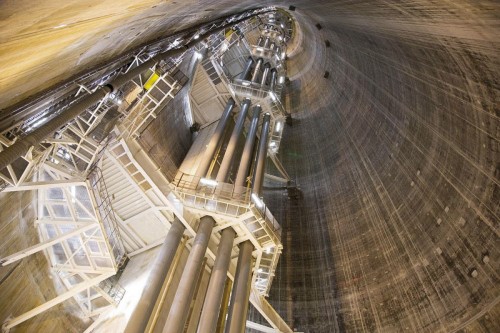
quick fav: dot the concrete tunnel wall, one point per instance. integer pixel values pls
(394, 227)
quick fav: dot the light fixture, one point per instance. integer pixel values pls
(198, 55)
(269, 249)
(282, 79)
(259, 270)
(208, 182)
(196, 36)
(277, 128)
(273, 96)
(258, 202)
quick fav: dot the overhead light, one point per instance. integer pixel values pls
(259, 270)
(278, 126)
(208, 182)
(196, 36)
(268, 249)
(273, 96)
(282, 79)
(258, 202)
(198, 55)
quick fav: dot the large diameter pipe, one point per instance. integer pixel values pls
(256, 70)
(272, 85)
(238, 306)
(267, 67)
(182, 300)
(260, 167)
(246, 157)
(215, 141)
(140, 317)
(225, 165)
(266, 43)
(260, 40)
(21, 146)
(248, 68)
(215, 289)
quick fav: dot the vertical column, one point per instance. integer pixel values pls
(215, 141)
(273, 44)
(273, 79)
(238, 306)
(140, 317)
(180, 305)
(258, 174)
(260, 40)
(267, 66)
(246, 157)
(215, 289)
(256, 70)
(248, 68)
(266, 42)
(225, 165)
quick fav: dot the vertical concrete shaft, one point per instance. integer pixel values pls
(266, 42)
(260, 167)
(215, 141)
(248, 68)
(238, 306)
(267, 67)
(140, 317)
(226, 163)
(215, 289)
(246, 158)
(182, 300)
(256, 71)
(272, 84)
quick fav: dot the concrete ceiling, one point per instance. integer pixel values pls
(396, 153)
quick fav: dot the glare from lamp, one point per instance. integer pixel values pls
(258, 202)
(208, 182)
(278, 126)
(198, 55)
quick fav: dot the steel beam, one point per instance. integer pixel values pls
(43, 245)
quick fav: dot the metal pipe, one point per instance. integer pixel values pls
(21, 146)
(246, 157)
(180, 305)
(267, 67)
(225, 165)
(272, 84)
(256, 70)
(221, 321)
(273, 44)
(260, 40)
(248, 68)
(266, 43)
(215, 141)
(140, 317)
(258, 173)
(278, 51)
(215, 289)
(238, 306)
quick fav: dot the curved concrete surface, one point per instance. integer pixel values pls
(395, 225)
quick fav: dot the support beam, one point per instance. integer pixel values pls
(238, 306)
(140, 317)
(44, 185)
(261, 328)
(246, 157)
(248, 68)
(225, 166)
(258, 175)
(215, 289)
(180, 306)
(59, 299)
(43, 245)
(268, 312)
(215, 141)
